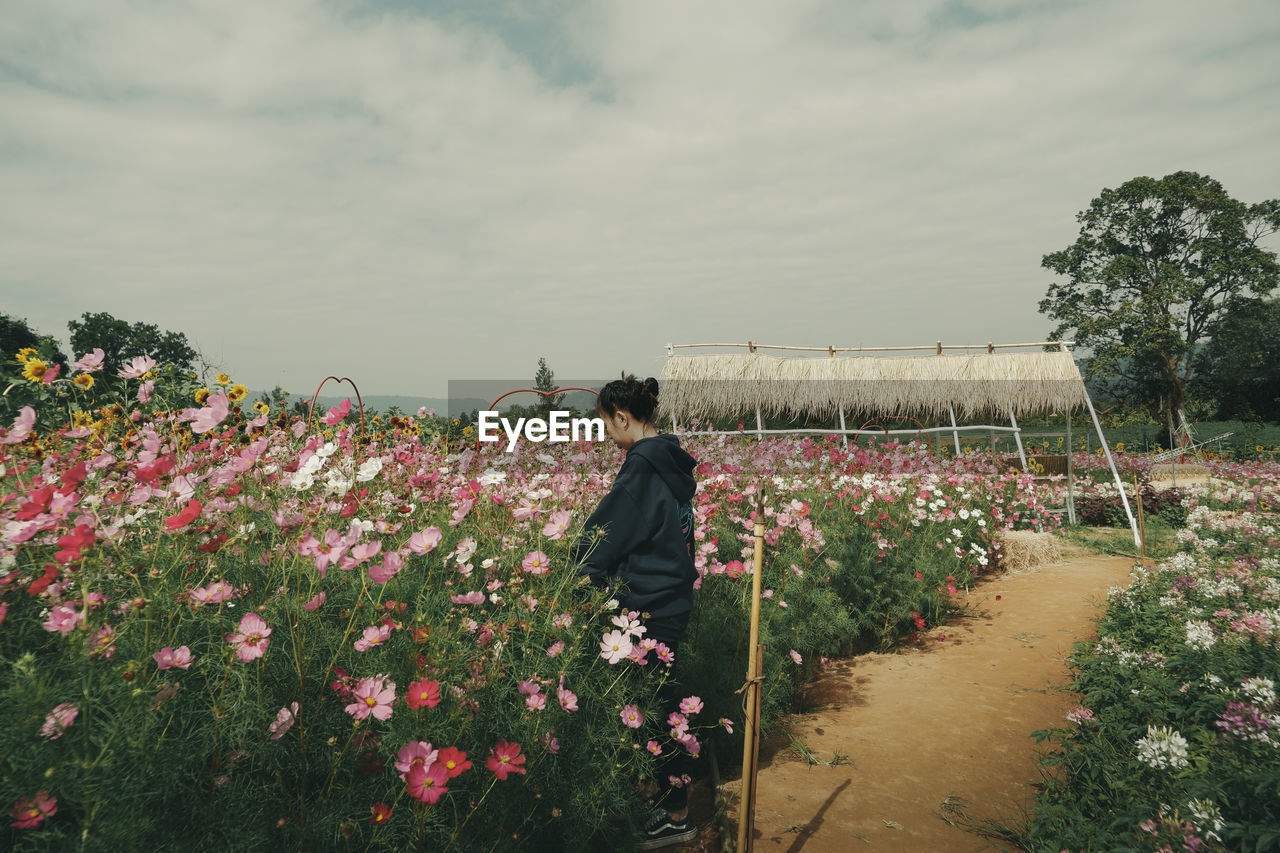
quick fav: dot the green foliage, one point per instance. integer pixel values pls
(1239, 369)
(1158, 266)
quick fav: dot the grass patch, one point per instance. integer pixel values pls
(1112, 541)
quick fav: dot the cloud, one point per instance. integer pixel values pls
(315, 187)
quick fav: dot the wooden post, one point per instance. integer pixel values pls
(751, 702)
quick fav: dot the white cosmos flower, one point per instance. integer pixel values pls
(369, 470)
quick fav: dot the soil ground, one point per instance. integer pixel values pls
(912, 745)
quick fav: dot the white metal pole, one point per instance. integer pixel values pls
(955, 431)
(759, 425)
(1017, 436)
(843, 434)
(1137, 539)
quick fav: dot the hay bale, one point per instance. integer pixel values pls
(1183, 470)
(1025, 549)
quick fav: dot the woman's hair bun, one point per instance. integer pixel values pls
(639, 399)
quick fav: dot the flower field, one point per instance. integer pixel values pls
(221, 631)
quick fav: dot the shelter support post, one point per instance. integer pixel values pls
(844, 435)
(1017, 436)
(1124, 499)
(759, 425)
(955, 430)
(1071, 475)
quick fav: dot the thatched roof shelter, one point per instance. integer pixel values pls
(974, 384)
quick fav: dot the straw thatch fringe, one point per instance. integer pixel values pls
(733, 384)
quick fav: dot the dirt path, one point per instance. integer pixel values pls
(944, 720)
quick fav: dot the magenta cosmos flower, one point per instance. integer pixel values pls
(29, 814)
(250, 637)
(505, 759)
(373, 696)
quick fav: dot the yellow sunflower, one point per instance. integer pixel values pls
(237, 393)
(34, 369)
(202, 395)
(224, 379)
(84, 382)
(261, 407)
(25, 353)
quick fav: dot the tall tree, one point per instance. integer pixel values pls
(122, 341)
(1158, 266)
(545, 380)
(1239, 369)
(16, 334)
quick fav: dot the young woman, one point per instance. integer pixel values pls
(647, 524)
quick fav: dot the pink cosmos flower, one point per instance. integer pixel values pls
(29, 814)
(427, 784)
(505, 759)
(690, 743)
(568, 700)
(413, 754)
(315, 602)
(250, 637)
(654, 747)
(691, 705)
(144, 391)
(373, 697)
(392, 563)
(59, 720)
(727, 723)
(138, 367)
(535, 701)
(338, 412)
(374, 635)
(555, 648)
(664, 654)
(22, 426)
(631, 717)
(285, 718)
(795, 656)
(679, 724)
(425, 541)
(214, 593)
(615, 646)
(473, 597)
(90, 362)
(557, 525)
(528, 688)
(63, 619)
(536, 563)
(214, 412)
(179, 658)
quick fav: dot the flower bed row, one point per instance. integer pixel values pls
(1176, 745)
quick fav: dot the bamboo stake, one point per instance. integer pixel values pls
(751, 702)
(1142, 522)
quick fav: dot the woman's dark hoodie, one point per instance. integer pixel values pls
(641, 517)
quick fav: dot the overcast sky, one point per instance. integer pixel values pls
(407, 193)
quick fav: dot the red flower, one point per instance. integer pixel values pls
(423, 692)
(29, 814)
(427, 784)
(453, 760)
(41, 583)
(505, 759)
(381, 813)
(189, 514)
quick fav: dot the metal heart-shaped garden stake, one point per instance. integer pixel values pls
(359, 402)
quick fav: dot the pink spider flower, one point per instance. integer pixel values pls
(285, 718)
(250, 637)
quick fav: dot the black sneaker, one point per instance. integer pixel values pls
(661, 831)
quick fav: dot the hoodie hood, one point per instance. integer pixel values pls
(671, 462)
